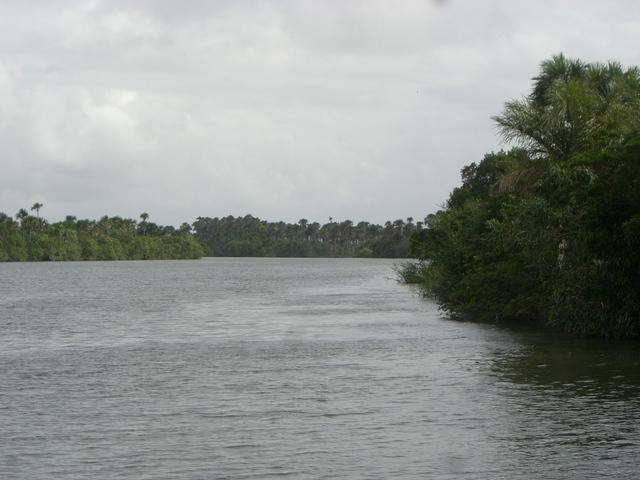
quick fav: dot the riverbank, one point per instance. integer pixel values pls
(550, 230)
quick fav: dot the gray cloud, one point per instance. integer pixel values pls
(283, 109)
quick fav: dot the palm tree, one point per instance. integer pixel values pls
(37, 206)
(21, 215)
(572, 108)
(557, 68)
(144, 216)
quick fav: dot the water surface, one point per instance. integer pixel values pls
(298, 368)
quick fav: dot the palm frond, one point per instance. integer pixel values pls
(520, 181)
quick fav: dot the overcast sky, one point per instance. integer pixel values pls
(365, 110)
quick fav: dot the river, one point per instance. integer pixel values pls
(298, 368)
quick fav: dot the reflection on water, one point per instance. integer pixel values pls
(573, 403)
(561, 365)
(240, 368)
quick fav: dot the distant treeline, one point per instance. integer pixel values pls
(249, 236)
(549, 231)
(32, 238)
(29, 237)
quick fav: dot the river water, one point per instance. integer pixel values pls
(298, 368)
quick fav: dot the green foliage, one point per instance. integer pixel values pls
(574, 107)
(479, 179)
(110, 238)
(114, 238)
(249, 236)
(550, 231)
(411, 272)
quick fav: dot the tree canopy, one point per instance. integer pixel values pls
(253, 237)
(550, 230)
(110, 238)
(114, 238)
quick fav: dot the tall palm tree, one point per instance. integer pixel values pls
(144, 216)
(37, 206)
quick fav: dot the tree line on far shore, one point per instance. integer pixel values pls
(30, 237)
(249, 236)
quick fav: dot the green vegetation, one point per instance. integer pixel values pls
(411, 272)
(548, 231)
(249, 236)
(30, 238)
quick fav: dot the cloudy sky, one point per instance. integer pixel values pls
(363, 110)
